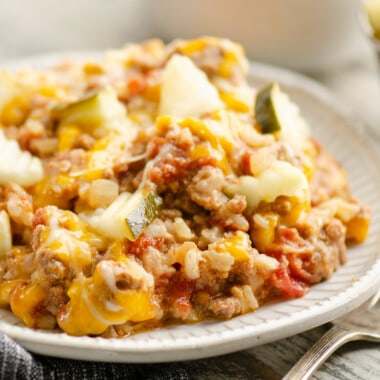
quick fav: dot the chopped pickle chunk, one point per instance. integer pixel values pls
(277, 114)
(97, 109)
(267, 109)
(141, 209)
(127, 216)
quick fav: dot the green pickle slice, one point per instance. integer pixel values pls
(98, 108)
(268, 108)
(141, 209)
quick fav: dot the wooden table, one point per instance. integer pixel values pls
(357, 360)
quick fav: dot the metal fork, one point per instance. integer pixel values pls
(361, 324)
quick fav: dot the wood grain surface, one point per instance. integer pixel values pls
(357, 360)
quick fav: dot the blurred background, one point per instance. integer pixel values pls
(306, 35)
(41, 26)
(321, 38)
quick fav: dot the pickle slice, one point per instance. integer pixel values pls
(268, 108)
(127, 216)
(141, 209)
(277, 114)
(97, 109)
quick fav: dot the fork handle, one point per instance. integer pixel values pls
(321, 350)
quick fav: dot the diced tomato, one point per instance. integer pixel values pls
(283, 279)
(135, 86)
(298, 252)
(171, 167)
(287, 234)
(139, 246)
(245, 163)
(178, 295)
(205, 161)
(291, 240)
(288, 286)
(296, 263)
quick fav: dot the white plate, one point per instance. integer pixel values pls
(349, 287)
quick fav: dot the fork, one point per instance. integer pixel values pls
(362, 323)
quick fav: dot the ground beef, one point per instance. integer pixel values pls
(169, 168)
(56, 297)
(224, 307)
(64, 162)
(19, 204)
(208, 280)
(329, 252)
(230, 214)
(206, 188)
